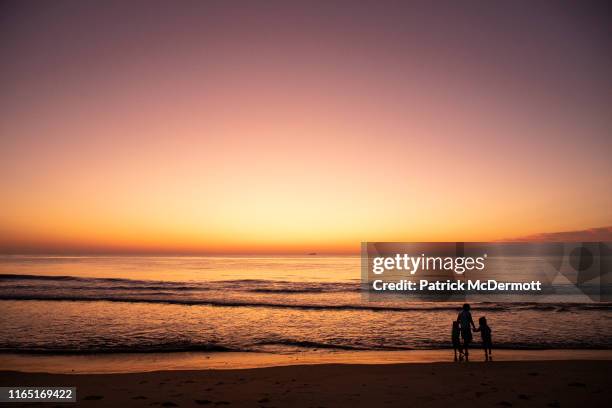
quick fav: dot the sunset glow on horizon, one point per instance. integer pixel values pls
(278, 128)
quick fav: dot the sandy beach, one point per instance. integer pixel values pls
(474, 384)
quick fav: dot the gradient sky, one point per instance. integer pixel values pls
(213, 127)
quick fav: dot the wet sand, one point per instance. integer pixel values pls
(474, 384)
(113, 363)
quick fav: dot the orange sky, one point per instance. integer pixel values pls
(201, 129)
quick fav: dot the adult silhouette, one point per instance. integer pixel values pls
(466, 324)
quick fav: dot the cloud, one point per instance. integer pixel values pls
(601, 234)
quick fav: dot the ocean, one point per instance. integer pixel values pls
(96, 304)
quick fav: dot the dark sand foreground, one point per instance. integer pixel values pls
(474, 384)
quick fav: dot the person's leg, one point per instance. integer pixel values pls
(455, 349)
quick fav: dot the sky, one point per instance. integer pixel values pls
(292, 127)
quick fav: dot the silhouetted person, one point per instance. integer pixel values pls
(485, 333)
(456, 341)
(467, 324)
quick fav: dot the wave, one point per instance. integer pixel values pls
(296, 290)
(242, 285)
(139, 348)
(131, 288)
(227, 293)
(64, 278)
(321, 345)
(204, 302)
(305, 306)
(279, 346)
(11, 276)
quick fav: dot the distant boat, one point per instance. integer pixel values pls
(312, 253)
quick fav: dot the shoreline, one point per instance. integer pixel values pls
(118, 363)
(555, 384)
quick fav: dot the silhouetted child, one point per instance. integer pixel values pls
(456, 340)
(485, 333)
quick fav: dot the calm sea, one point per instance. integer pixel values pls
(145, 304)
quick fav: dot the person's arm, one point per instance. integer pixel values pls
(472, 323)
